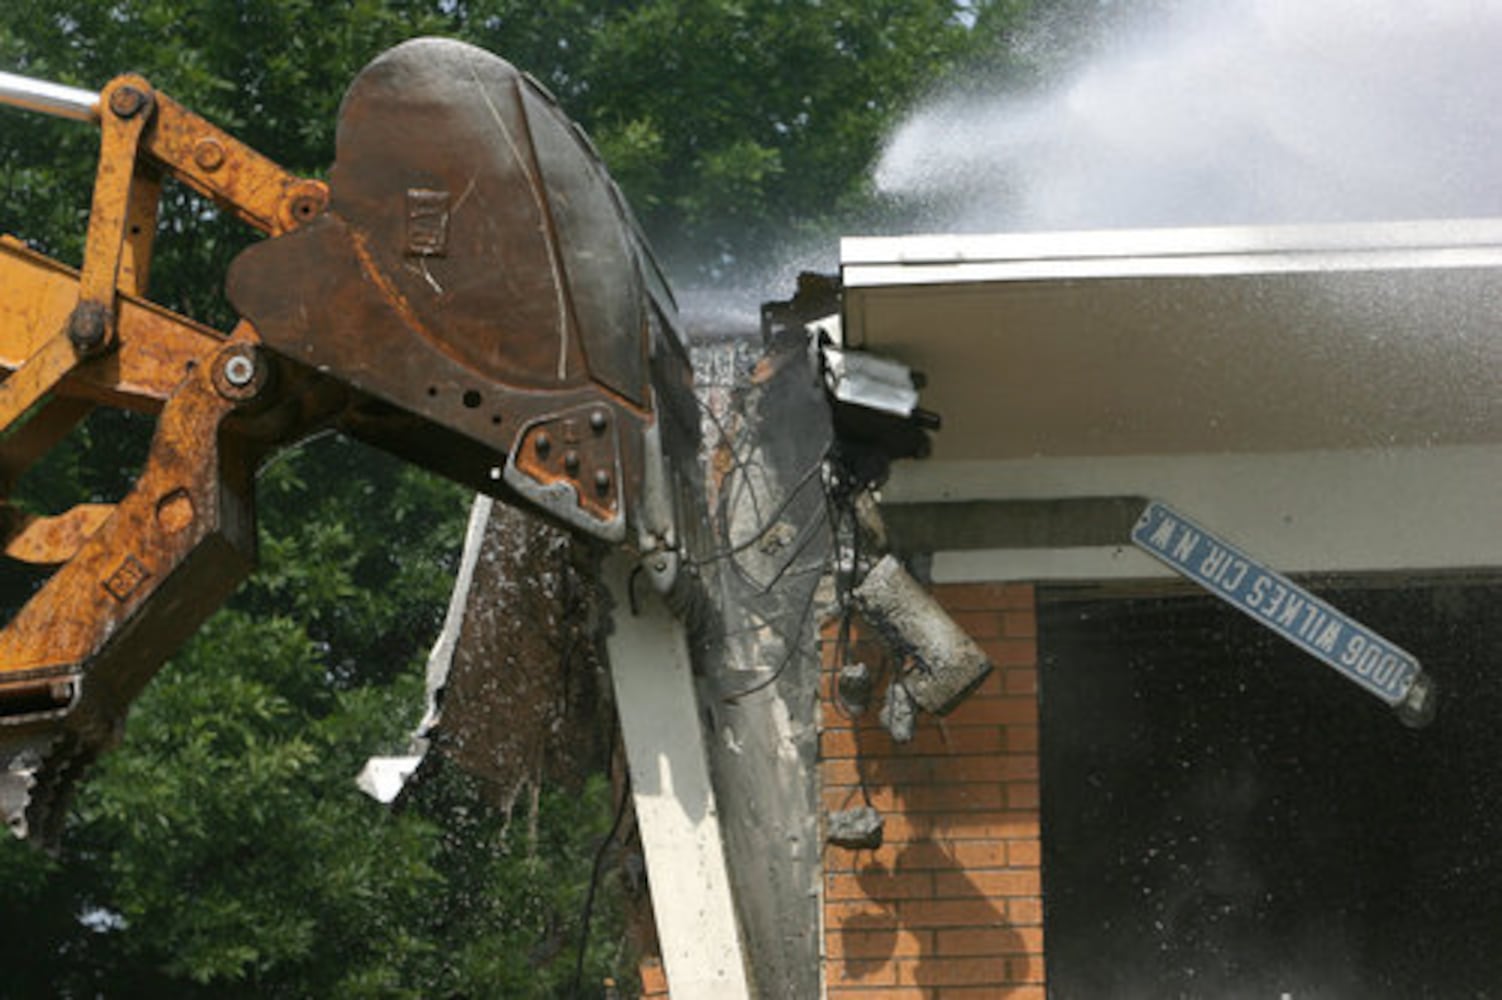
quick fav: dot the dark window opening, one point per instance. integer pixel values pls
(1224, 816)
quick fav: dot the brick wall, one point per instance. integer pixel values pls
(950, 906)
(654, 983)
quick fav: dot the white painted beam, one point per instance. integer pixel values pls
(675, 803)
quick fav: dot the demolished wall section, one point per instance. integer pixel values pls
(766, 433)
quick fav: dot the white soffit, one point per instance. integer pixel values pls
(1265, 339)
(1329, 396)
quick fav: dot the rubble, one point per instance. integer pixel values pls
(899, 714)
(854, 687)
(859, 829)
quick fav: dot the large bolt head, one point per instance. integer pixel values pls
(208, 154)
(88, 327)
(239, 370)
(239, 374)
(127, 102)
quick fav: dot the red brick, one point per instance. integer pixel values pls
(925, 804)
(654, 981)
(1011, 992)
(978, 624)
(837, 797)
(866, 915)
(1020, 624)
(1021, 680)
(989, 941)
(969, 971)
(984, 596)
(963, 854)
(1025, 912)
(884, 885)
(844, 859)
(902, 828)
(919, 913)
(931, 769)
(1022, 794)
(860, 972)
(973, 826)
(930, 738)
(843, 771)
(990, 684)
(846, 943)
(1024, 853)
(1011, 652)
(950, 885)
(954, 798)
(1025, 969)
(837, 743)
(1007, 710)
(1021, 739)
(947, 739)
(959, 914)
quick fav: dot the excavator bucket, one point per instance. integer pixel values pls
(478, 273)
(468, 291)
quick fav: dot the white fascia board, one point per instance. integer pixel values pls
(875, 262)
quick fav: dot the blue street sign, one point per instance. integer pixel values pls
(1276, 602)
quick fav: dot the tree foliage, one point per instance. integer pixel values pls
(223, 849)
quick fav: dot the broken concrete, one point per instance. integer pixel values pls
(767, 432)
(861, 828)
(947, 663)
(899, 713)
(854, 687)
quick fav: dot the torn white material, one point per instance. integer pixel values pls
(18, 771)
(442, 656)
(15, 794)
(383, 777)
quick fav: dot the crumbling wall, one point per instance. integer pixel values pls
(766, 433)
(517, 689)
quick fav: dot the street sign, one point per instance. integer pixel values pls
(1274, 601)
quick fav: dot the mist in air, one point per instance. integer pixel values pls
(1243, 111)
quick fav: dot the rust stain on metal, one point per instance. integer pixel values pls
(219, 166)
(174, 512)
(370, 269)
(131, 103)
(153, 345)
(570, 450)
(51, 541)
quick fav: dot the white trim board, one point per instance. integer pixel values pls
(1413, 509)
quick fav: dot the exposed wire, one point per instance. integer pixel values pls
(731, 551)
(598, 866)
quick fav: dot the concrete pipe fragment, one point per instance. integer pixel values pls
(948, 664)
